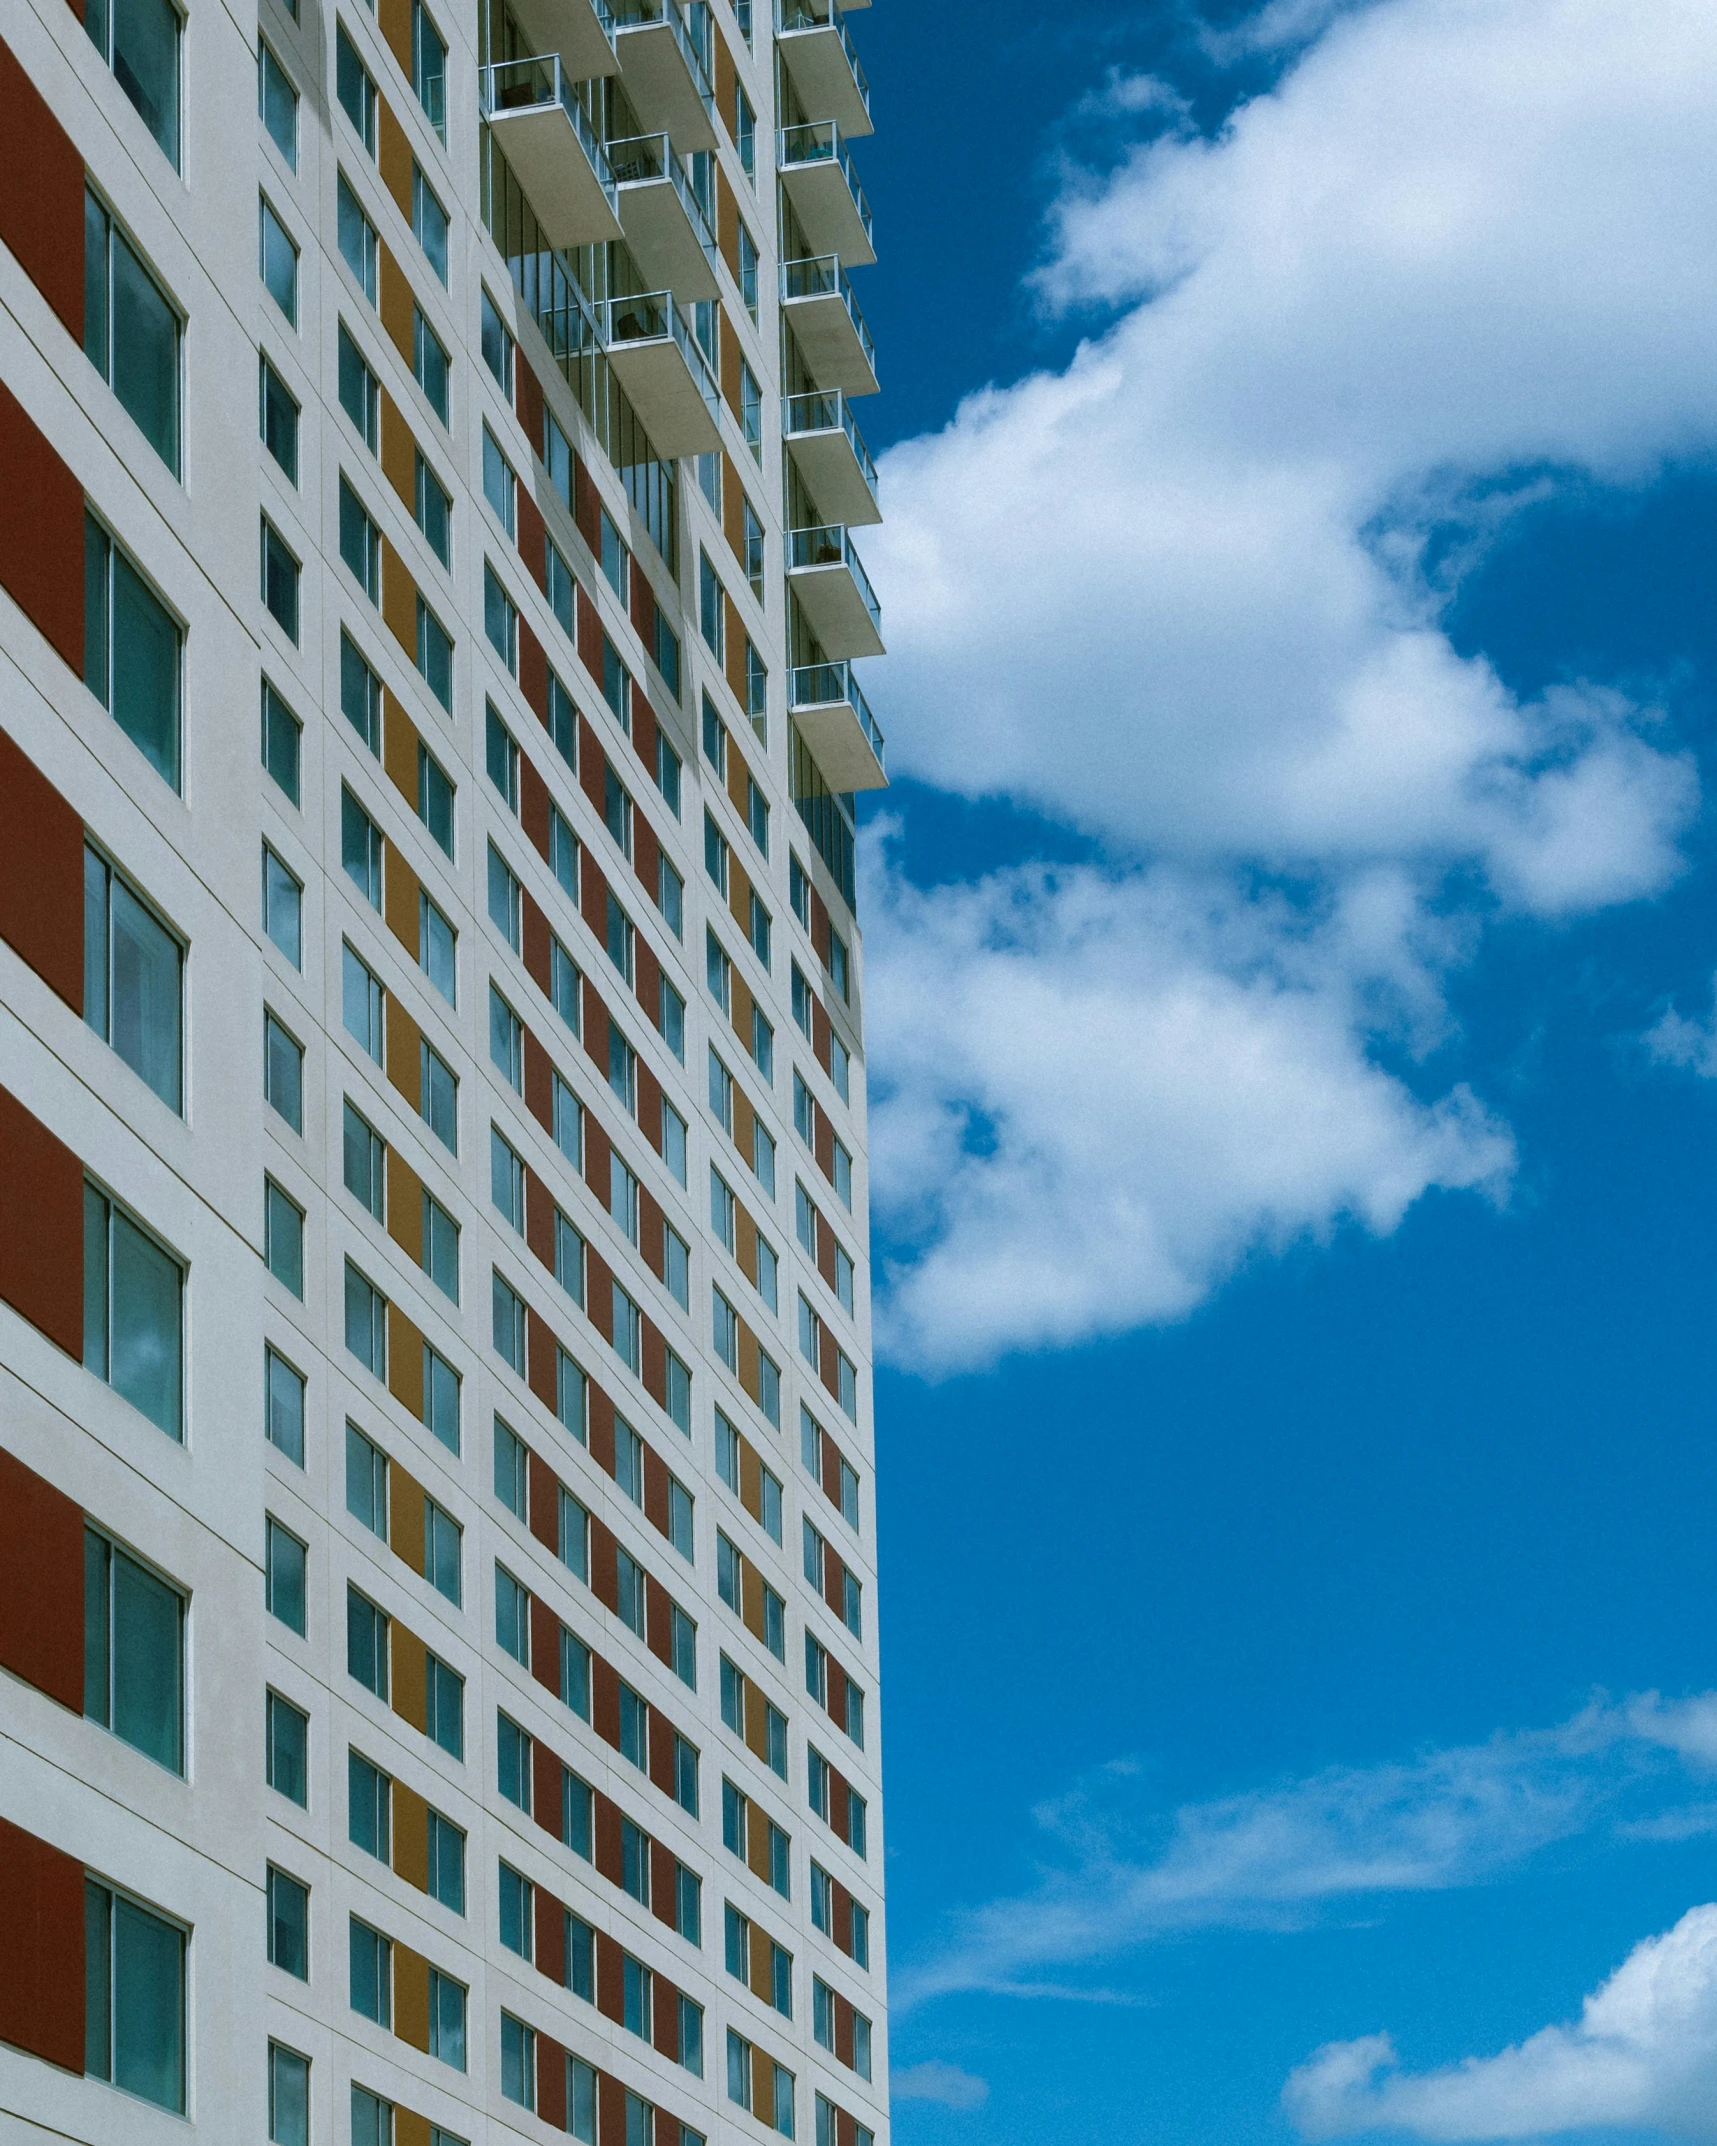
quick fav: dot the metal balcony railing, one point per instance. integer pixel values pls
(642, 157)
(831, 685)
(653, 317)
(831, 545)
(822, 142)
(527, 85)
(792, 15)
(804, 415)
(636, 14)
(824, 277)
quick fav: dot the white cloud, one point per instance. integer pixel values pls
(1148, 593)
(1174, 596)
(1691, 1044)
(935, 2081)
(1100, 1091)
(1119, 1873)
(1643, 2052)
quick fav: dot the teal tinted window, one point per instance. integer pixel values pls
(134, 1998)
(133, 979)
(133, 1317)
(131, 331)
(131, 652)
(139, 39)
(277, 102)
(278, 262)
(134, 1653)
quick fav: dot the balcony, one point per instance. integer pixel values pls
(548, 140)
(813, 41)
(834, 591)
(581, 31)
(656, 359)
(665, 73)
(817, 299)
(817, 171)
(832, 457)
(664, 223)
(837, 726)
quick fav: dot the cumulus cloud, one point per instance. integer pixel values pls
(1120, 1873)
(1675, 1040)
(1643, 2052)
(1101, 1090)
(936, 2081)
(1174, 595)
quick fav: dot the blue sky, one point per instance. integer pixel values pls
(1290, 989)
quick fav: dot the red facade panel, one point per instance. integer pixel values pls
(41, 1584)
(41, 532)
(41, 1222)
(42, 1959)
(41, 194)
(41, 871)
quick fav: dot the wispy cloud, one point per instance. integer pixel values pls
(935, 2081)
(1676, 1040)
(1642, 2053)
(1119, 1872)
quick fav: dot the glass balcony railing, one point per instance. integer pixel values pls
(791, 15)
(832, 546)
(643, 157)
(642, 14)
(654, 318)
(832, 685)
(824, 277)
(822, 142)
(803, 416)
(512, 86)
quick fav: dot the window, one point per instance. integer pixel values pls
(563, 851)
(430, 365)
(133, 979)
(622, 939)
(441, 1391)
(838, 965)
(360, 543)
(428, 222)
(361, 1003)
(434, 511)
(617, 810)
(360, 696)
(506, 1040)
(500, 486)
(280, 578)
(283, 1402)
(133, 1318)
(446, 1863)
(745, 139)
(366, 1482)
(445, 1696)
(359, 246)
(360, 395)
(840, 1067)
(616, 685)
(676, 1266)
(711, 619)
(435, 798)
(277, 103)
(132, 652)
(355, 88)
(371, 1974)
(360, 848)
(748, 293)
(134, 1652)
(497, 346)
(434, 655)
(507, 1324)
(288, 1924)
(500, 619)
(751, 413)
(287, 1745)
(506, 900)
(366, 1323)
(717, 856)
(281, 737)
(668, 771)
(665, 648)
(758, 930)
(429, 67)
(131, 333)
(501, 757)
(283, 1237)
(288, 2097)
(438, 1096)
(670, 895)
(440, 1247)
(622, 1069)
(134, 1993)
(286, 1576)
(718, 972)
(437, 944)
(277, 259)
(518, 2059)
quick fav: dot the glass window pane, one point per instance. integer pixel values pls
(146, 962)
(145, 670)
(148, 1663)
(148, 2006)
(288, 2097)
(147, 1337)
(145, 353)
(285, 1403)
(145, 61)
(279, 103)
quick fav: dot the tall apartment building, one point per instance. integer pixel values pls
(438, 1653)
